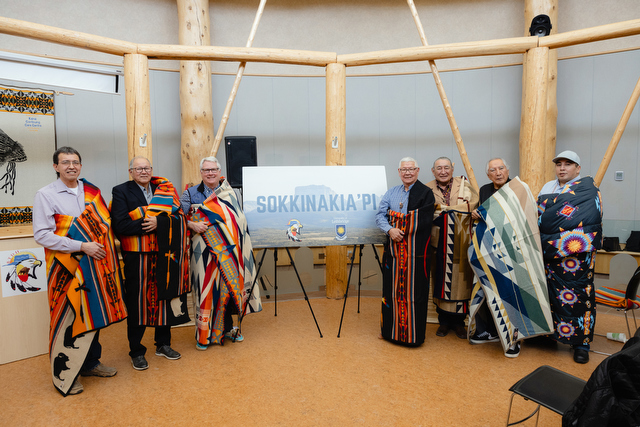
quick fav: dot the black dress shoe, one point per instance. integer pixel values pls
(461, 332)
(442, 331)
(139, 363)
(580, 355)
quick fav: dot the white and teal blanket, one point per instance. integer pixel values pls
(506, 255)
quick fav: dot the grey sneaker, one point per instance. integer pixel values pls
(483, 337)
(100, 371)
(76, 387)
(234, 335)
(168, 352)
(139, 363)
(513, 351)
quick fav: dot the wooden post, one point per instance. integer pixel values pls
(335, 134)
(196, 115)
(533, 122)
(236, 83)
(445, 102)
(136, 84)
(622, 124)
(532, 9)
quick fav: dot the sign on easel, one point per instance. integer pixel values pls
(293, 206)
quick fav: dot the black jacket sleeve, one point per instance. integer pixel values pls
(123, 202)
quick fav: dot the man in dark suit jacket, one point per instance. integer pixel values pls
(137, 228)
(405, 214)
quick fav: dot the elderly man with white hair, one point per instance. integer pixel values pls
(222, 267)
(497, 171)
(456, 199)
(405, 214)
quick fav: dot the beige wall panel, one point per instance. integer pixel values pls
(322, 25)
(24, 319)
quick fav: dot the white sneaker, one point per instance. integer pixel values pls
(234, 335)
(514, 351)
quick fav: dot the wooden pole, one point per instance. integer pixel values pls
(238, 54)
(592, 34)
(50, 34)
(236, 83)
(335, 149)
(441, 51)
(618, 134)
(196, 114)
(138, 112)
(46, 33)
(533, 8)
(445, 102)
(533, 122)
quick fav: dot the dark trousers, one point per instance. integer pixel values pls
(93, 356)
(228, 318)
(484, 321)
(450, 319)
(135, 333)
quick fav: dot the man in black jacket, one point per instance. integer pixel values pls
(405, 214)
(145, 214)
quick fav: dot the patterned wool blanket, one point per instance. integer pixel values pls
(571, 233)
(506, 256)
(406, 278)
(162, 259)
(84, 293)
(222, 265)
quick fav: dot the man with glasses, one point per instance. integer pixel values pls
(222, 266)
(71, 220)
(405, 215)
(451, 236)
(148, 220)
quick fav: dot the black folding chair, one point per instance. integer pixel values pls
(548, 387)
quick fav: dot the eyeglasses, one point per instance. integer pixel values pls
(212, 170)
(140, 170)
(70, 162)
(407, 170)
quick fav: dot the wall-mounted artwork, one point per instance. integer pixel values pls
(27, 143)
(23, 271)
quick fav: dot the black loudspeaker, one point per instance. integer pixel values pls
(540, 26)
(240, 151)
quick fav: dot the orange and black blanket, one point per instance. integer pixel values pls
(405, 286)
(159, 260)
(84, 293)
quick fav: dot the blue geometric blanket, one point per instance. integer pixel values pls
(506, 256)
